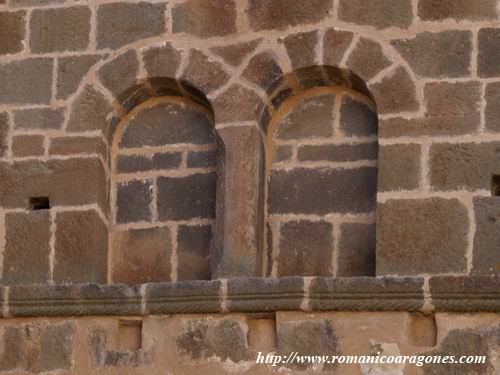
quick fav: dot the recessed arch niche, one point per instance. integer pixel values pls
(321, 175)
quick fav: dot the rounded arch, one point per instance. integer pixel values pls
(163, 155)
(321, 148)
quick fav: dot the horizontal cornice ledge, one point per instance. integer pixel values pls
(248, 295)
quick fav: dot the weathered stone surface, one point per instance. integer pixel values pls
(451, 99)
(81, 248)
(23, 3)
(279, 14)
(446, 54)
(240, 183)
(28, 145)
(70, 182)
(305, 249)
(166, 124)
(431, 125)
(26, 81)
(378, 13)
(357, 118)
(335, 43)
(182, 198)
(436, 10)
(307, 337)
(488, 42)
(110, 299)
(287, 293)
(39, 118)
(4, 130)
(142, 256)
(236, 53)
(64, 29)
(202, 159)
(193, 252)
(13, 32)
(122, 23)
(203, 72)
(263, 69)
(38, 347)
(237, 103)
(367, 59)
(205, 19)
(492, 111)
(74, 145)
(27, 248)
(467, 342)
(136, 163)
(189, 296)
(311, 118)
(426, 236)
(301, 48)
(133, 201)
(161, 61)
(322, 191)
(469, 166)
(284, 153)
(356, 251)
(90, 111)
(120, 74)
(486, 257)
(338, 152)
(224, 338)
(399, 167)
(358, 293)
(70, 72)
(395, 93)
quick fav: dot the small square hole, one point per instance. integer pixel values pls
(39, 203)
(495, 185)
(129, 335)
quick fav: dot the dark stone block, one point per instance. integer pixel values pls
(203, 72)
(446, 54)
(307, 337)
(356, 250)
(235, 54)
(27, 248)
(202, 159)
(116, 299)
(335, 44)
(427, 236)
(59, 30)
(486, 257)
(166, 124)
(161, 61)
(305, 248)
(193, 252)
(488, 55)
(4, 132)
(13, 32)
(39, 118)
(183, 198)
(122, 23)
(56, 343)
(205, 19)
(437, 10)
(237, 103)
(322, 191)
(338, 152)
(282, 153)
(311, 118)
(301, 48)
(469, 166)
(263, 69)
(399, 167)
(280, 14)
(81, 248)
(133, 201)
(139, 163)
(28, 145)
(492, 111)
(367, 59)
(142, 255)
(90, 111)
(120, 74)
(378, 13)
(26, 81)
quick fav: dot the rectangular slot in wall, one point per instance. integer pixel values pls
(495, 185)
(39, 203)
(129, 335)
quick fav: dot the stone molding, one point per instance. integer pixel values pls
(447, 293)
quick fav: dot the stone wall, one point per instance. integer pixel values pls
(168, 141)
